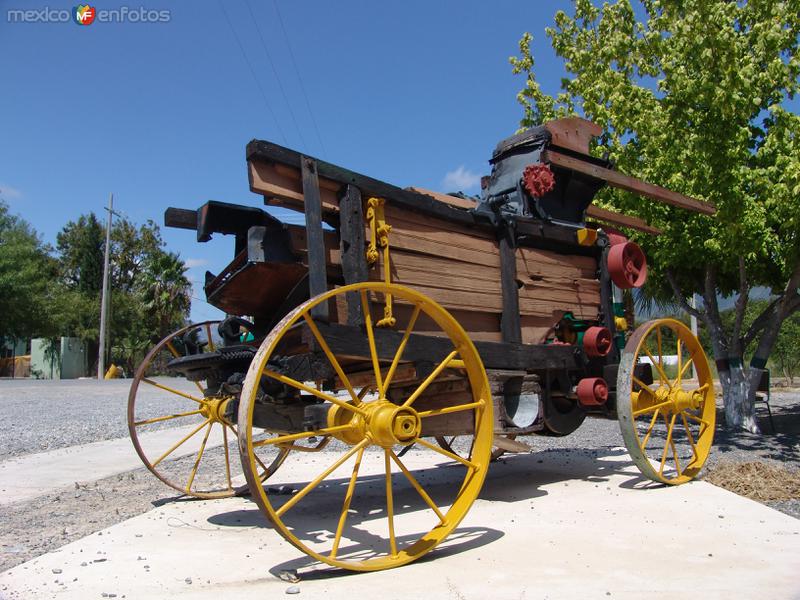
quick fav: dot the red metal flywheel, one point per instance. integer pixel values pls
(592, 391)
(627, 265)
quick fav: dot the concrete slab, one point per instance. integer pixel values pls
(550, 525)
(32, 475)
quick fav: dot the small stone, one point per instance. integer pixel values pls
(290, 576)
(294, 589)
(188, 580)
(100, 560)
(721, 516)
(83, 564)
(57, 571)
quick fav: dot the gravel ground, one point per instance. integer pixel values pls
(46, 415)
(49, 414)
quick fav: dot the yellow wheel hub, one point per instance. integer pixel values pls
(344, 512)
(668, 426)
(214, 408)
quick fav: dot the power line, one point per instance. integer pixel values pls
(299, 78)
(275, 72)
(252, 71)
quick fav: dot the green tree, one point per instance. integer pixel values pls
(80, 246)
(786, 354)
(692, 97)
(149, 293)
(27, 272)
(165, 293)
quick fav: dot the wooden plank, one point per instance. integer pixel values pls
(509, 318)
(180, 218)
(573, 133)
(446, 198)
(628, 183)
(352, 247)
(280, 189)
(620, 220)
(267, 152)
(317, 273)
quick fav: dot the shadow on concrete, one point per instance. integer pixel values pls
(511, 479)
(460, 540)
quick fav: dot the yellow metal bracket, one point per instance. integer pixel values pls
(379, 230)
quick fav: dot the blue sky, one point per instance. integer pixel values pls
(414, 93)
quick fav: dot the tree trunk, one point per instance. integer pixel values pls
(737, 398)
(738, 395)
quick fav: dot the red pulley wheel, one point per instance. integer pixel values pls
(592, 391)
(597, 341)
(627, 265)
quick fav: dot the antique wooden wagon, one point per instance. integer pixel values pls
(405, 329)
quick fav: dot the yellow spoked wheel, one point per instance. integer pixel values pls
(370, 501)
(180, 424)
(668, 425)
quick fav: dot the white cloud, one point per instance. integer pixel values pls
(460, 180)
(9, 193)
(192, 263)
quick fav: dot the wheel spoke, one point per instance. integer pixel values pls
(659, 406)
(689, 434)
(180, 443)
(166, 418)
(389, 502)
(177, 354)
(450, 455)
(415, 484)
(660, 345)
(698, 420)
(675, 456)
(199, 458)
(682, 370)
(313, 391)
(227, 456)
(670, 425)
(430, 378)
(371, 339)
(331, 358)
(172, 390)
(302, 493)
(661, 374)
(450, 409)
(650, 429)
(680, 361)
(282, 439)
(348, 498)
(401, 348)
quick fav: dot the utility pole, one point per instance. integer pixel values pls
(104, 297)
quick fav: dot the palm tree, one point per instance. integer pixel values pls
(165, 293)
